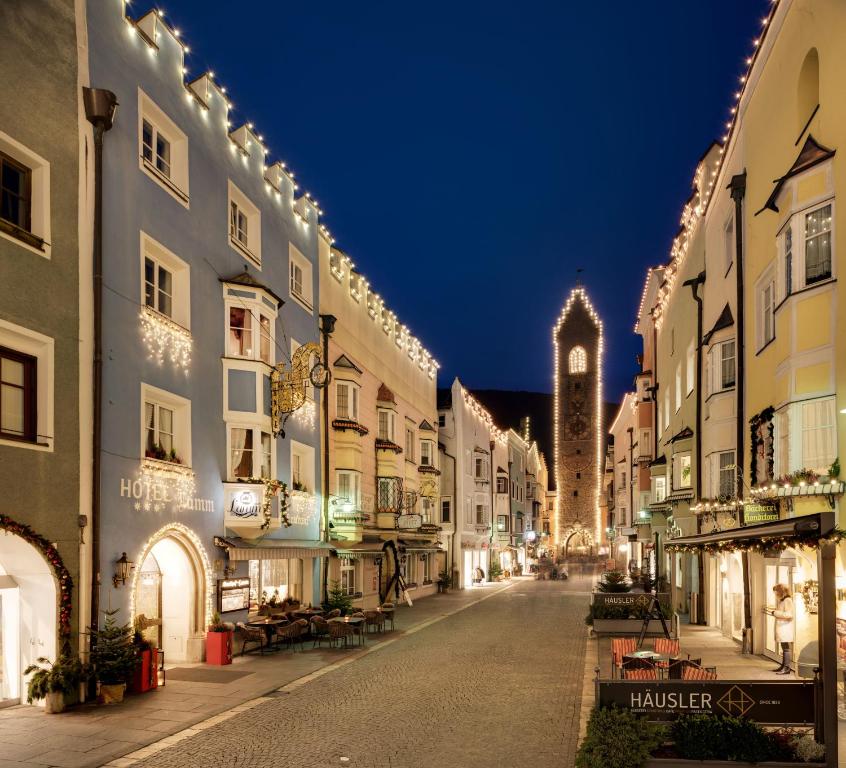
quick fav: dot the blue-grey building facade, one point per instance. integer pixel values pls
(210, 279)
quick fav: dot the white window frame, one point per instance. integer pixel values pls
(717, 356)
(729, 241)
(304, 295)
(823, 463)
(804, 238)
(721, 472)
(347, 577)
(659, 488)
(256, 308)
(353, 390)
(667, 409)
(680, 460)
(252, 248)
(446, 500)
(678, 386)
(427, 453)
(39, 212)
(390, 424)
(303, 455)
(691, 367)
(181, 407)
(257, 449)
(42, 348)
(353, 483)
(765, 309)
(410, 439)
(177, 183)
(181, 279)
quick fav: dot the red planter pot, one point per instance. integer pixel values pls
(218, 648)
(146, 676)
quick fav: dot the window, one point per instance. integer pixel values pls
(575, 494)
(409, 444)
(441, 420)
(729, 242)
(165, 425)
(244, 225)
(426, 562)
(387, 420)
(26, 388)
(15, 193)
(623, 480)
(410, 569)
(265, 338)
(240, 332)
(300, 283)
(388, 494)
(660, 485)
(782, 457)
(155, 148)
(427, 451)
(818, 245)
(684, 477)
(502, 523)
(480, 514)
(302, 467)
(18, 395)
(819, 436)
(502, 485)
(427, 506)
(346, 403)
(348, 485)
(348, 576)
(691, 367)
(578, 475)
(726, 475)
(660, 425)
(724, 366)
(446, 510)
(546, 527)
(667, 409)
(480, 468)
(165, 282)
(577, 360)
(250, 452)
(766, 308)
(678, 387)
(24, 196)
(788, 261)
(163, 149)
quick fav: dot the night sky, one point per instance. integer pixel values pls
(471, 156)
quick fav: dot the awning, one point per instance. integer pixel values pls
(811, 527)
(272, 549)
(360, 549)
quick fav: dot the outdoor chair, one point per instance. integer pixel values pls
(374, 620)
(251, 635)
(340, 630)
(289, 633)
(693, 672)
(640, 674)
(388, 613)
(666, 647)
(675, 669)
(333, 614)
(620, 646)
(320, 631)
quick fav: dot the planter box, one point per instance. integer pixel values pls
(54, 703)
(628, 627)
(146, 676)
(662, 762)
(218, 648)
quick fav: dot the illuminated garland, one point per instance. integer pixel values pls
(755, 423)
(272, 488)
(52, 556)
(762, 544)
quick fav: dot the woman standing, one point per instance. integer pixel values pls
(783, 614)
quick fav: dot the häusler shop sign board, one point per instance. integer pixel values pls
(779, 702)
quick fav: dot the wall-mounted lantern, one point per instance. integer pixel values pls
(123, 565)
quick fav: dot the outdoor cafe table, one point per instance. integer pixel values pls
(269, 628)
(356, 622)
(656, 658)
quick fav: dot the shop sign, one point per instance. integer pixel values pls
(233, 594)
(244, 504)
(639, 599)
(759, 513)
(153, 495)
(783, 702)
(409, 522)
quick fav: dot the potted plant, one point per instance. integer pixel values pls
(145, 675)
(219, 642)
(444, 581)
(54, 681)
(114, 658)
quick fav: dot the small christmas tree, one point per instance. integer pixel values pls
(337, 598)
(113, 653)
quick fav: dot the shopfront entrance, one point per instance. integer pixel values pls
(28, 603)
(797, 569)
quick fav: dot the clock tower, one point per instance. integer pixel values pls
(578, 427)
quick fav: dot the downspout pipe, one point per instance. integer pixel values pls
(737, 188)
(695, 284)
(454, 512)
(327, 328)
(100, 109)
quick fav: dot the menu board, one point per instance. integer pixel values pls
(233, 595)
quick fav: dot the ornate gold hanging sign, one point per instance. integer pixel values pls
(288, 387)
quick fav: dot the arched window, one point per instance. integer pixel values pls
(578, 360)
(808, 92)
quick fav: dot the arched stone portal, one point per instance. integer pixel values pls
(578, 540)
(172, 580)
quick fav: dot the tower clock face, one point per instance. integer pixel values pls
(578, 426)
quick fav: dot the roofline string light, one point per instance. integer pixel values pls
(580, 294)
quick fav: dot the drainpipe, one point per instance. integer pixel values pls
(327, 328)
(100, 108)
(738, 192)
(451, 555)
(493, 500)
(632, 522)
(694, 284)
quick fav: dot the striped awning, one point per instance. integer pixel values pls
(360, 549)
(273, 549)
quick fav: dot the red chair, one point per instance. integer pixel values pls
(692, 672)
(620, 646)
(640, 674)
(666, 647)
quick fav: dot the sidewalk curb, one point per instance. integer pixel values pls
(588, 687)
(131, 758)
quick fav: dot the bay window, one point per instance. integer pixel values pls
(346, 400)
(427, 451)
(766, 310)
(245, 323)
(348, 487)
(250, 453)
(660, 488)
(387, 420)
(818, 245)
(819, 434)
(723, 366)
(726, 475)
(806, 250)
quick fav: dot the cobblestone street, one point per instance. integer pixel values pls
(496, 684)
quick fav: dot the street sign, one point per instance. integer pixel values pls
(628, 599)
(782, 702)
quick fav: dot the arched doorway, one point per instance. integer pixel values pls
(578, 542)
(171, 589)
(28, 613)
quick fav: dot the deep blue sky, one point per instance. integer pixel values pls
(469, 156)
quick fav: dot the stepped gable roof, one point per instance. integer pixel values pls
(813, 153)
(246, 279)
